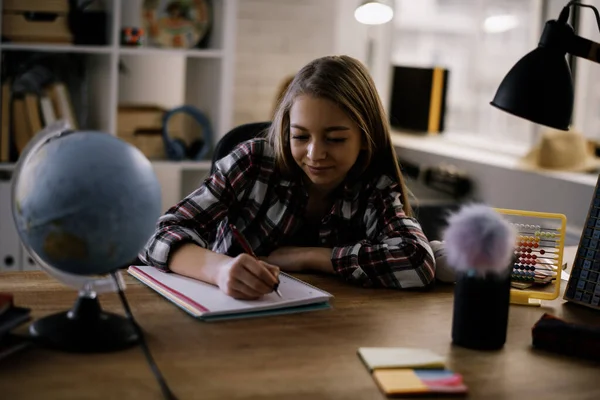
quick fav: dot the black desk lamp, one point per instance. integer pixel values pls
(539, 87)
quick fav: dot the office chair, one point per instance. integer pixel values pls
(236, 136)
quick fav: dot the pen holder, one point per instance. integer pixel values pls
(480, 315)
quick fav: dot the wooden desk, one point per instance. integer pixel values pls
(301, 356)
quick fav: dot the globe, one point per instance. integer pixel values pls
(86, 202)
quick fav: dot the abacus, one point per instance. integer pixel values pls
(538, 255)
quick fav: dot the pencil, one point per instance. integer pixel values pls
(246, 246)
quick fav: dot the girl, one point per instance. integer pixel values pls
(322, 192)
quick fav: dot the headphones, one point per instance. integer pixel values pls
(175, 148)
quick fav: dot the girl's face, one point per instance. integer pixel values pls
(324, 141)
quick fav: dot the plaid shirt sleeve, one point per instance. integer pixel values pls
(195, 218)
(395, 253)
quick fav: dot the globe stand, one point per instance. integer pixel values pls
(86, 328)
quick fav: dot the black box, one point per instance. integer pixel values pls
(418, 99)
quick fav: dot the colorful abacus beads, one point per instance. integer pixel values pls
(527, 227)
(523, 276)
(548, 235)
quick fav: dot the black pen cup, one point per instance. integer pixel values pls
(480, 315)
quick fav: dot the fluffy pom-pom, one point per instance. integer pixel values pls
(479, 239)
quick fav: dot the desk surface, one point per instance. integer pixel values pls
(301, 356)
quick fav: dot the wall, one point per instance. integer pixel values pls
(275, 38)
(372, 45)
(500, 185)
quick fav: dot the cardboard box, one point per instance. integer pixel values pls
(44, 21)
(141, 125)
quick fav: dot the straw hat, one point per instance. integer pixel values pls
(561, 151)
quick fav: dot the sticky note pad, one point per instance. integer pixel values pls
(396, 381)
(405, 382)
(399, 357)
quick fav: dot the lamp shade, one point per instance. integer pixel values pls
(539, 88)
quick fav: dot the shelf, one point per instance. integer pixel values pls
(56, 48)
(176, 165)
(197, 53)
(183, 165)
(7, 166)
(158, 51)
(167, 77)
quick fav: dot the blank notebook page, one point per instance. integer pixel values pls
(214, 302)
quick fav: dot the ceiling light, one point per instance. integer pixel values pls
(374, 12)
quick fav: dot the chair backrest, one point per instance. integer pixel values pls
(236, 136)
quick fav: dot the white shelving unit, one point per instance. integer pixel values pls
(205, 78)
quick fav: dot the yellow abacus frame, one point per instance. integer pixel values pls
(531, 297)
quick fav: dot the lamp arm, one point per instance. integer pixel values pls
(584, 48)
(577, 45)
(594, 9)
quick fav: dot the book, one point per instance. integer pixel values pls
(21, 130)
(6, 302)
(11, 344)
(11, 316)
(418, 99)
(415, 382)
(208, 303)
(399, 357)
(61, 100)
(47, 110)
(5, 141)
(33, 113)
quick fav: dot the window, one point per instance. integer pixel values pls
(478, 41)
(586, 117)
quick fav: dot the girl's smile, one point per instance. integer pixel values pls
(324, 141)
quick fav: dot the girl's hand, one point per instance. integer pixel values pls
(247, 278)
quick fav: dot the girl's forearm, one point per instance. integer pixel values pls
(197, 262)
(318, 259)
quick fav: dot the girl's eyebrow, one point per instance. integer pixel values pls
(328, 129)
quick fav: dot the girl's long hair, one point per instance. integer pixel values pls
(345, 81)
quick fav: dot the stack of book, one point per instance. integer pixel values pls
(25, 114)
(411, 372)
(11, 317)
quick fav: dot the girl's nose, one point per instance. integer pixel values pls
(316, 151)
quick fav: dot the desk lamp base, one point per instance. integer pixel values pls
(84, 329)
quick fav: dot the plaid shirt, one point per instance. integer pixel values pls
(374, 243)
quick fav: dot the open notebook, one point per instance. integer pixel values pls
(209, 303)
